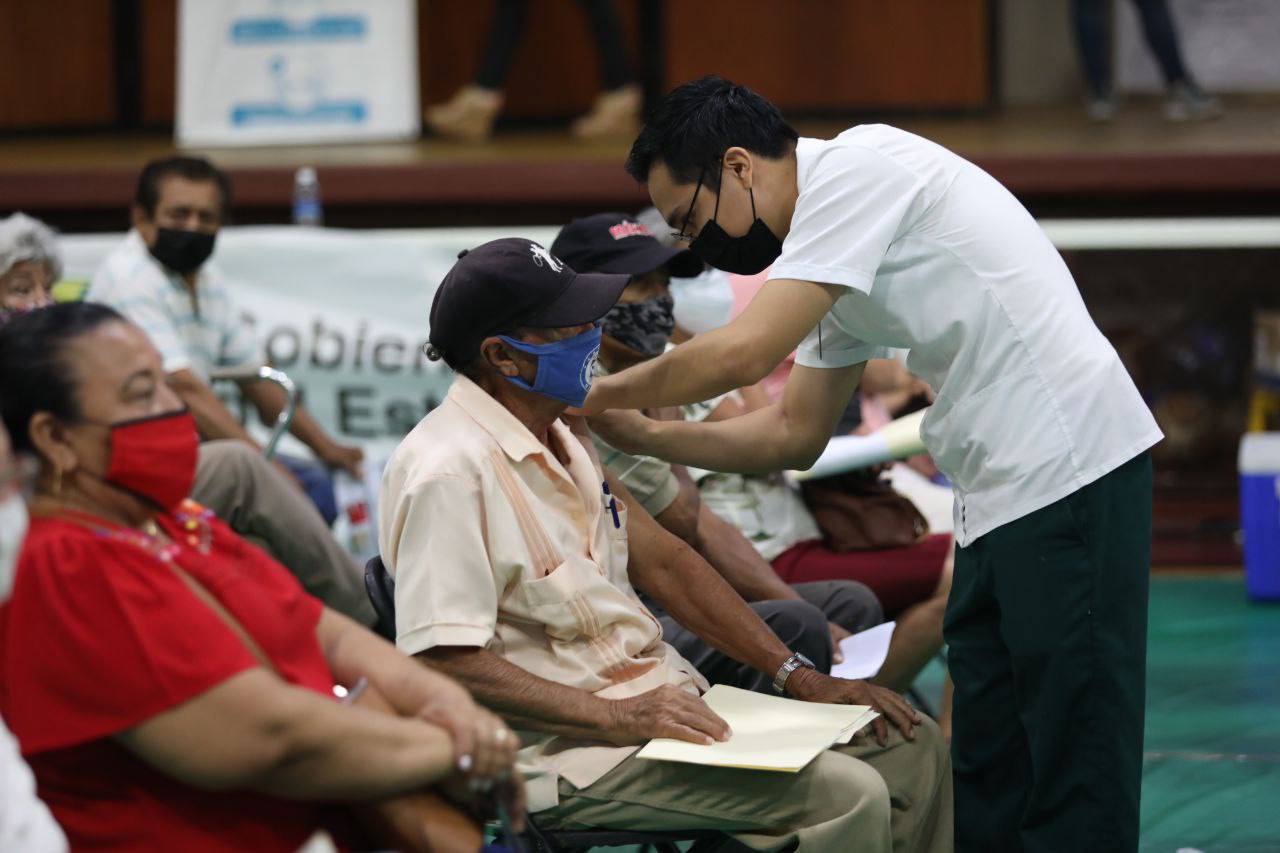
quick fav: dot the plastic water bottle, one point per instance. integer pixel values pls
(306, 198)
(354, 526)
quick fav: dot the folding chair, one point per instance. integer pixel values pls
(249, 374)
(381, 589)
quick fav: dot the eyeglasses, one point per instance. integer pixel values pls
(682, 235)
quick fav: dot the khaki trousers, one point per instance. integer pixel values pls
(861, 797)
(254, 499)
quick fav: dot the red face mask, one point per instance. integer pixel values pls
(155, 457)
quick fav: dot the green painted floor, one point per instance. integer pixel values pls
(1212, 775)
(1212, 770)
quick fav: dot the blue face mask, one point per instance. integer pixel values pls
(565, 368)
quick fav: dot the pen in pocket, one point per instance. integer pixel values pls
(613, 505)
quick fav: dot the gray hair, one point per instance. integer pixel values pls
(25, 238)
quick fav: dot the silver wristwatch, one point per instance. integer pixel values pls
(792, 663)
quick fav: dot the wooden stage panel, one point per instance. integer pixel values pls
(829, 57)
(63, 42)
(159, 52)
(1047, 157)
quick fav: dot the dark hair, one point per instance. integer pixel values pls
(147, 196)
(34, 375)
(696, 123)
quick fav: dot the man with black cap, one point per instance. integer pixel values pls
(810, 618)
(514, 561)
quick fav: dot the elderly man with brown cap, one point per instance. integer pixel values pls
(516, 564)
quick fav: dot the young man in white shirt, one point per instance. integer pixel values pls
(879, 238)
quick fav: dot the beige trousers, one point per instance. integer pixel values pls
(861, 797)
(254, 499)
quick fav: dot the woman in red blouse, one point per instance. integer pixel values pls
(170, 685)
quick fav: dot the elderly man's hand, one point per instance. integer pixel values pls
(666, 711)
(811, 686)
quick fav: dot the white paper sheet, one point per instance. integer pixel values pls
(896, 440)
(769, 732)
(864, 652)
(861, 723)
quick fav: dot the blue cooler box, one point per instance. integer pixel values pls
(1260, 513)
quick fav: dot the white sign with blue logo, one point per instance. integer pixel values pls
(253, 72)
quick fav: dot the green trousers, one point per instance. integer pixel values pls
(1047, 635)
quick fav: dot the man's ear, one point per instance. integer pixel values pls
(50, 442)
(496, 353)
(138, 217)
(739, 163)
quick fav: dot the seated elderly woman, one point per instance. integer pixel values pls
(232, 478)
(29, 263)
(170, 685)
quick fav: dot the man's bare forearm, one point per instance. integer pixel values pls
(788, 434)
(742, 353)
(527, 701)
(709, 365)
(703, 602)
(681, 518)
(269, 399)
(757, 443)
(213, 419)
(691, 591)
(737, 560)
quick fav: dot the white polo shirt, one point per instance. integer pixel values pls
(940, 259)
(197, 335)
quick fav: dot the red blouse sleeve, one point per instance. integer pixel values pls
(99, 635)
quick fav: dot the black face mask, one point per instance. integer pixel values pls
(642, 326)
(745, 255)
(183, 252)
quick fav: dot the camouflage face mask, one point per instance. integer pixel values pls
(642, 326)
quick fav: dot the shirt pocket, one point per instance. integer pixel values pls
(617, 533)
(576, 602)
(996, 435)
(619, 543)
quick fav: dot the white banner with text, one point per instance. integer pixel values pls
(343, 313)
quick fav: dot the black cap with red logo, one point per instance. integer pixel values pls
(612, 242)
